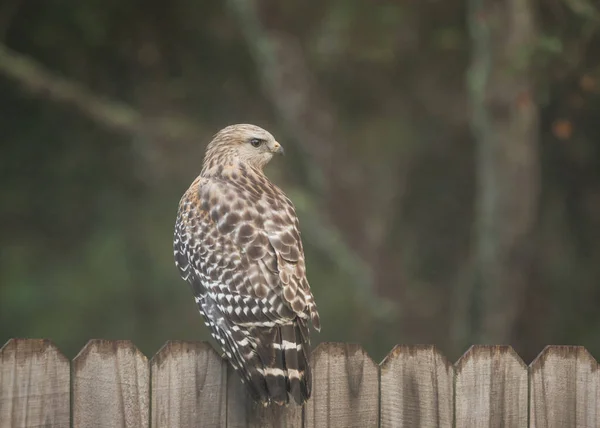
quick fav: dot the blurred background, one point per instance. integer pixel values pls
(444, 158)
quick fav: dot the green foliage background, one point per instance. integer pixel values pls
(86, 211)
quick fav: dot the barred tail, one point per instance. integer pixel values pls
(273, 362)
(296, 349)
(239, 349)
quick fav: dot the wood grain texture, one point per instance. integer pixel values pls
(564, 388)
(345, 388)
(242, 412)
(34, 385)
(417, 388)
(189, 386)
(110, 386)
(491, 388)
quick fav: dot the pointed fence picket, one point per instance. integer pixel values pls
(187, 384)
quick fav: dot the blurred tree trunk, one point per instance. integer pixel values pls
(504, 120)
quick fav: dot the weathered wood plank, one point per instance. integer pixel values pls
(110, 386)
(565, 389)
(242, 412)
(345, 388)
(189, 386)
(417, 388)
(491, 388)
(34, 385)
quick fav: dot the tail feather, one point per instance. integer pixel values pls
(303, 341)
(273, 362)
(289, 346)
(295, 348)
(239, 349)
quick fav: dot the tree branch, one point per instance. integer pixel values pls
(111, 114)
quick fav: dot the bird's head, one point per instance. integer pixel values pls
(247, 144)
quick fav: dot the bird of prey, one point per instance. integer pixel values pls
(237, 243)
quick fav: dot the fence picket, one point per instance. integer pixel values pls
(34, 385)
(565, 388)
(416, 388)
(491, 388)
(345, 388)
(110, 386)
(189, 386)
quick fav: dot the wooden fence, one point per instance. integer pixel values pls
(112, 384)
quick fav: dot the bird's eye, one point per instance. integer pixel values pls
(256, 142)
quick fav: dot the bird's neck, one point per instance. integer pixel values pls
(229, 169)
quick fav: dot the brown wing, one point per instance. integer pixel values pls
(244, 242)
(258, 229)
(243, 247)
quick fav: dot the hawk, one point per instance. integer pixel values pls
(237, 243)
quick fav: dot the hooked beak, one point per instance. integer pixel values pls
(278, 148)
